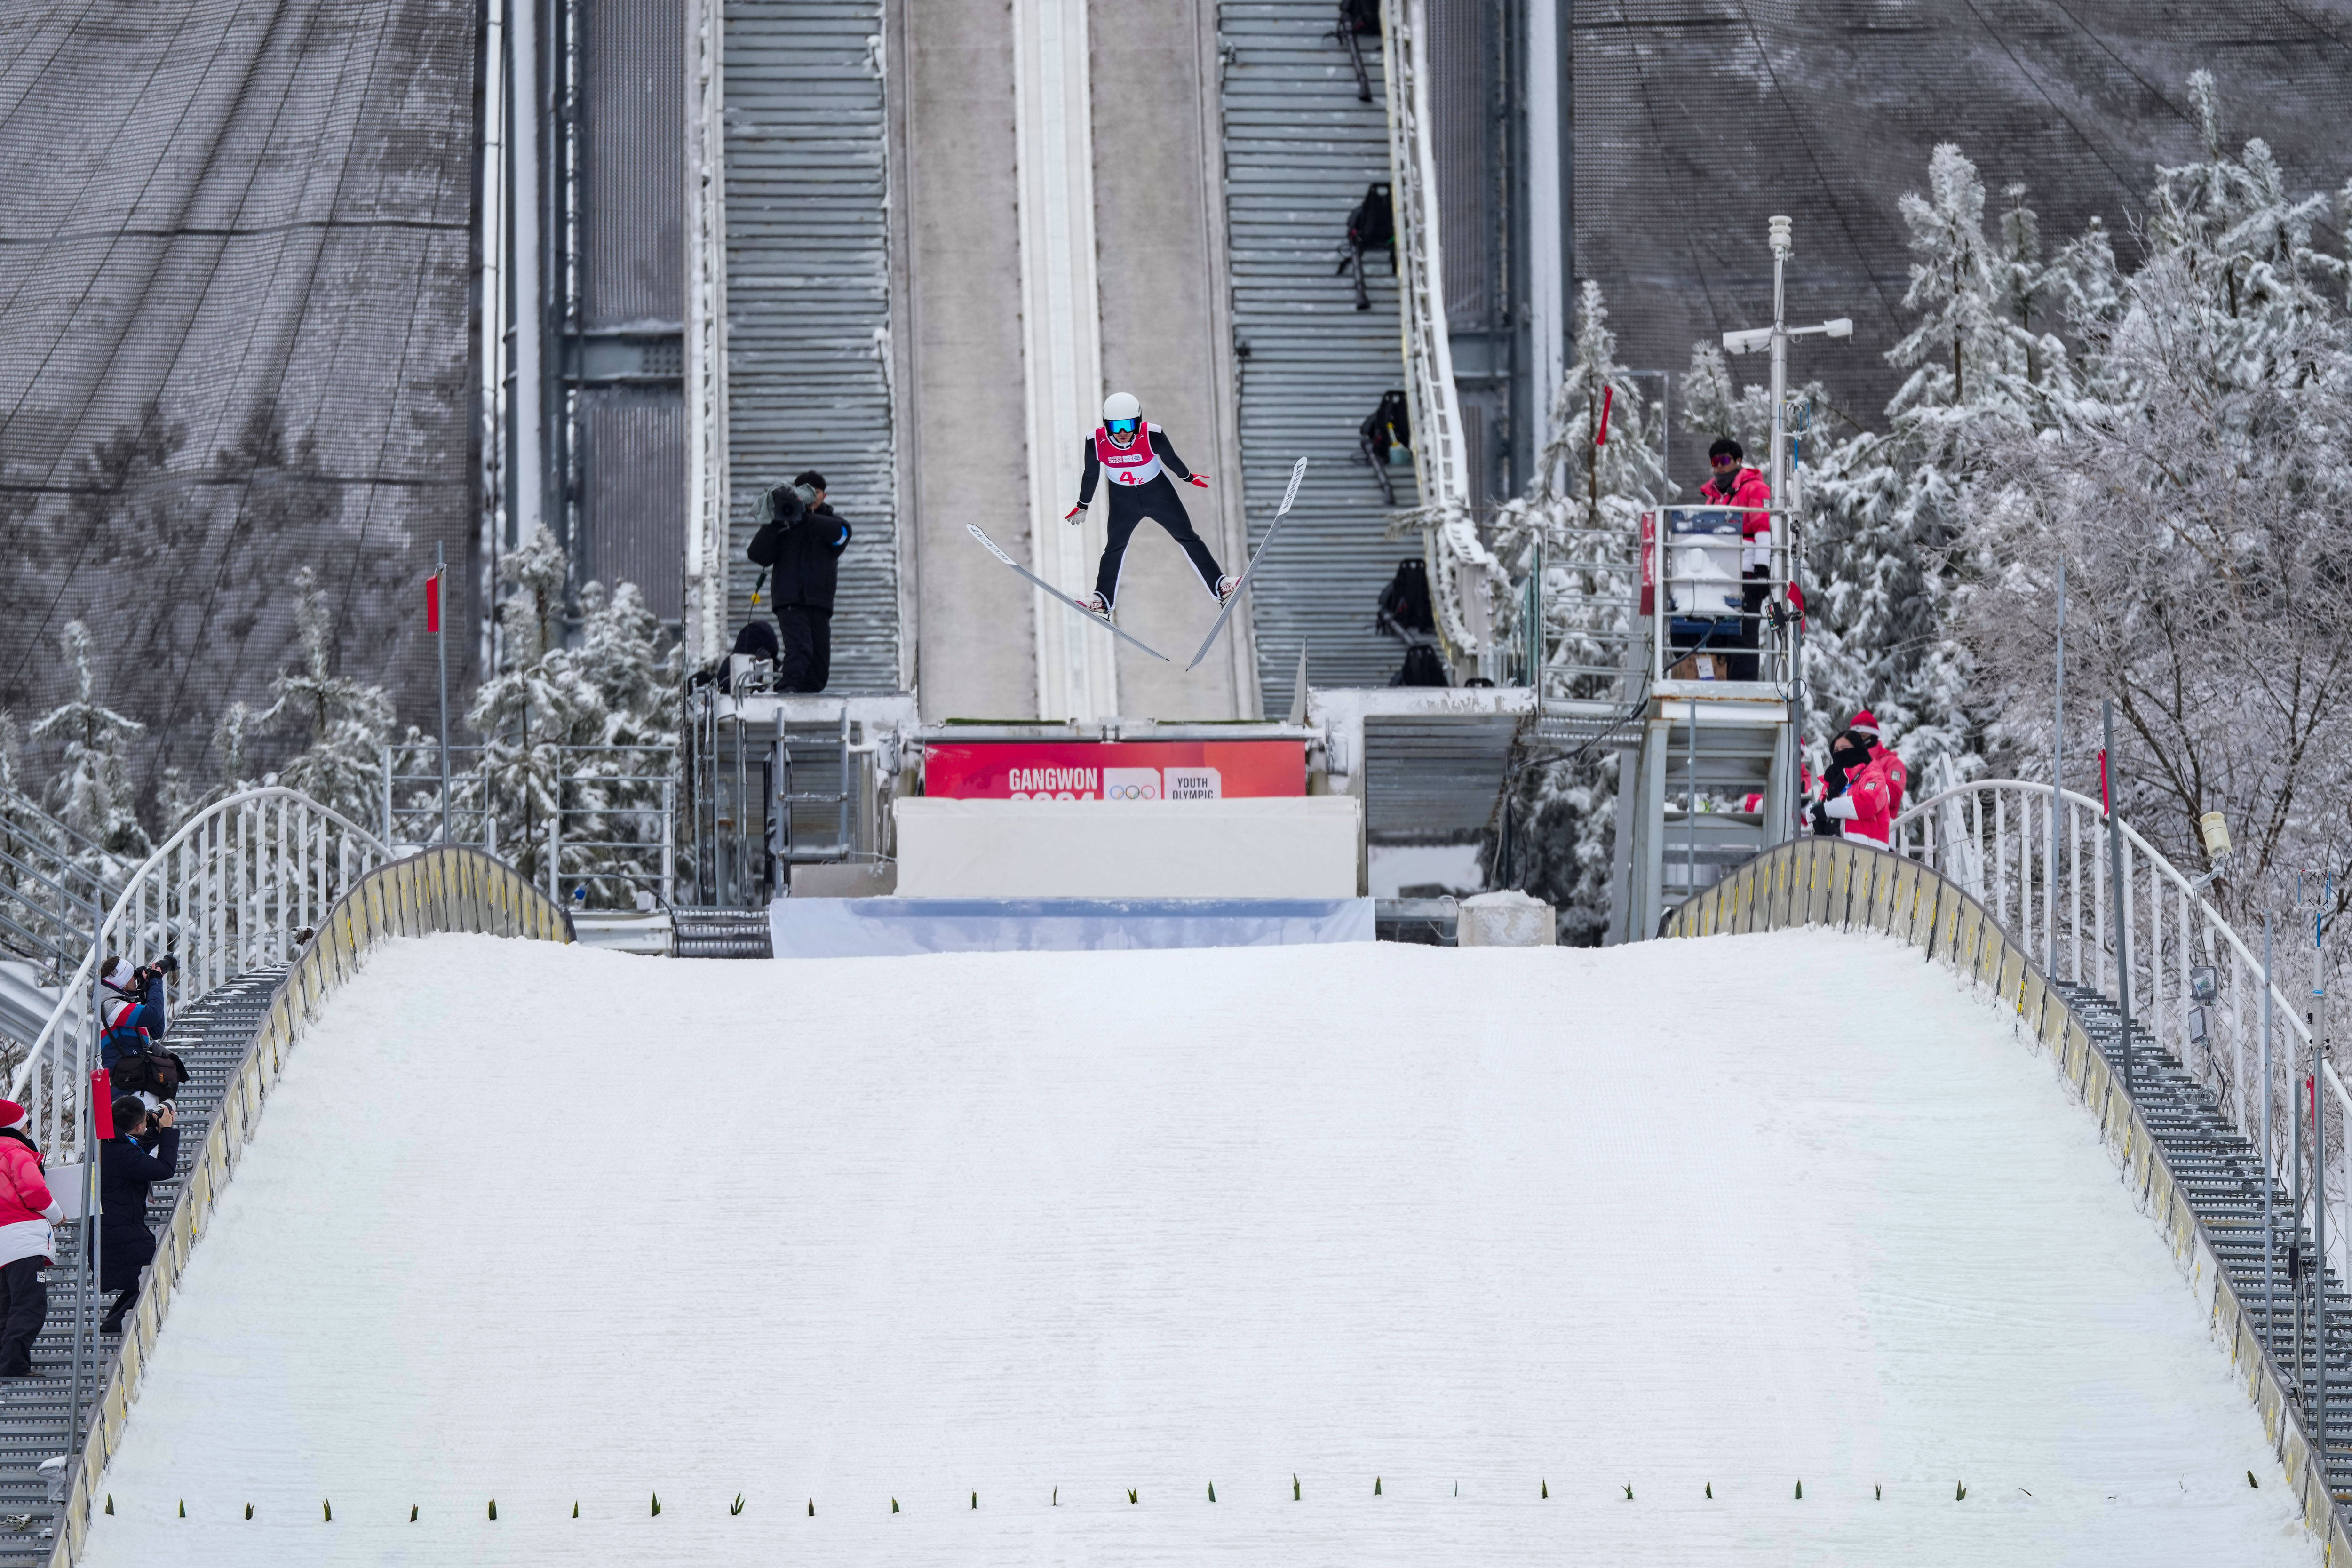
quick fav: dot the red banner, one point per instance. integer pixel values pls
(433, 604)
(1114, 770)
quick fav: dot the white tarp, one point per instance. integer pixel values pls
(884, 928)
(1300, 846)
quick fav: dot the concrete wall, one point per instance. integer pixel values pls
(957, 274)
(1166, 329)
(1166, 337)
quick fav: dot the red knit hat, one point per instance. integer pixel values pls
(10, 1113)
(1865, 723)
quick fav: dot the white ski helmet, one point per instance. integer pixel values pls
(1122, 406)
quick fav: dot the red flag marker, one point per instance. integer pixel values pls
(102, 1102)
(433, 602)
(1608, 396)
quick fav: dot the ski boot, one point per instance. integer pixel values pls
(1226, 586)
(1093, 605)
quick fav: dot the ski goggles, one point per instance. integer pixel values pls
(1122, 426)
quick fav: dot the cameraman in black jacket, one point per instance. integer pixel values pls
(800, 542)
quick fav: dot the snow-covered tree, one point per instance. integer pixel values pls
(539, 703)
(1580, 513)
(2200, 492)
(587, 730)
(176, 800)
(343, 723)
(1891, 508)
(92, 793)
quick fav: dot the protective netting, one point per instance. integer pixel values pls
(234, 279)
(1696, 120)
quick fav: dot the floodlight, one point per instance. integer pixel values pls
(2216, 829)
(1747, 341)
(1840, 327)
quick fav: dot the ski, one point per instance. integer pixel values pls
(1297, 472)
(1064, 599)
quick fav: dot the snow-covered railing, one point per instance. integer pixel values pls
(2049, 891)
(1463, 572)
(1844, 885)
(438, 890)
(231, 890)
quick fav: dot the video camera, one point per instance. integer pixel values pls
(783, 506)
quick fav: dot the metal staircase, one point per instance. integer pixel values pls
(722, 934)
(2222, 1176)
(211, 1035)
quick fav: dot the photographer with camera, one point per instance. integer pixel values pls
(130, 1013)
(144, 1150)
(800, 542)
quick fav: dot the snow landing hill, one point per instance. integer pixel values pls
(1437, 1232)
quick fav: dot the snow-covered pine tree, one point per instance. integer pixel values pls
(540, 702)
(620, 654)
(1890, 507)
(176, 800)
(91, 793)
(341, 722)
(1582, 509)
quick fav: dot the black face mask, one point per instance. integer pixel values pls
(1724, 479)
(1849, 758)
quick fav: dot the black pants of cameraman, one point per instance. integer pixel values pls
(1756, 595)
(806, 634)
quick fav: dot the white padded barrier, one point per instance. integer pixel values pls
(1300, 846)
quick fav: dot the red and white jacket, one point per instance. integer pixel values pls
(1872, 797)
(28, 1207)
(1133, 464)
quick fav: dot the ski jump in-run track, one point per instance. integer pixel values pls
(1138, 461)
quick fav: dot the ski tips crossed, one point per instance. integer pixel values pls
(1297, 473)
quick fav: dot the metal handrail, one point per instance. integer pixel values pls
(77, 839)
(1441, 461)
(1842, 884)
(220, 871)
(1998, 853)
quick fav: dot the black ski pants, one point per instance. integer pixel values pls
(24, 1309)
(806, 634)
(1130, 505)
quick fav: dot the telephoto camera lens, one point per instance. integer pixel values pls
(783, 505)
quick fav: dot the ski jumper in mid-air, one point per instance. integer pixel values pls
(1135, 460)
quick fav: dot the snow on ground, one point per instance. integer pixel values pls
(551, 1226)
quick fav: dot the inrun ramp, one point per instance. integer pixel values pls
(1436, 1232)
